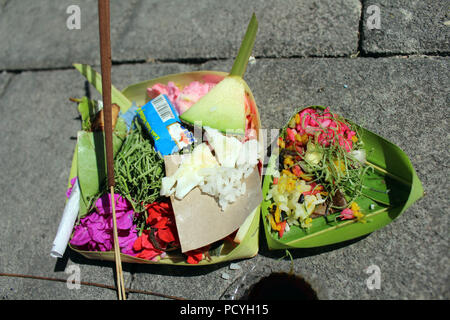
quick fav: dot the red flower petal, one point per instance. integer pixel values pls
(146, 244)
(137, 245)
(173, 230)
(162, 223)
(191, 260)
(164, 205)
(148, 254)
(153, 216)
(194, 258)
(165, 235)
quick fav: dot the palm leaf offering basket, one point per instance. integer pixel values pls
(388, 187)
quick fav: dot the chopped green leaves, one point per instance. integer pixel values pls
(138, 170)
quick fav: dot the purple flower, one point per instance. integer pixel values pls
(72, 183)
(95, 231)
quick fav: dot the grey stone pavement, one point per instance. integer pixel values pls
(393, 80)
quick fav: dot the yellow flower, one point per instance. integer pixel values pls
(287, 173)
(290, 185)
(306, 223)
(360, 217)
(272, 223)
(355, 207)
(357, 212)
(306, 177)
(340, 165)
(278, 215)
(283, 183)
(288, 161)
(281, 187)
(305, 138)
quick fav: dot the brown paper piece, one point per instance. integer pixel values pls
(199, 218)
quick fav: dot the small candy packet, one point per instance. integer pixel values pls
(162, 122)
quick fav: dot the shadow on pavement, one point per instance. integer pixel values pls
(190, 271)
(298, 253)
(166, 270)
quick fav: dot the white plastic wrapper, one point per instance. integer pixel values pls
(67, 222)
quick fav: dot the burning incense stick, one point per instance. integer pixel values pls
(105, 53)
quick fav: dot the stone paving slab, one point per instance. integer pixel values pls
(214, 29)
(5, 78)
(173, 30)
(407, 27)
(401, 99)
(35, 36)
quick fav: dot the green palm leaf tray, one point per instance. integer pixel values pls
(390, 188)
(93, 172)
(247, 248)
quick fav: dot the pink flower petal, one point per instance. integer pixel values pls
(346, 214)
(190, 95)
(81, 236)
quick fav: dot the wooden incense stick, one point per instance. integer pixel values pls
(105, 54)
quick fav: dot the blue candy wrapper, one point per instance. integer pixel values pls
(162, 122)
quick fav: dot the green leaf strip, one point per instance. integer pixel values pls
(241, 61)
(340, 225)
(95, 79)
(387, 173)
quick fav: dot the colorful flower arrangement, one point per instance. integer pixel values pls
(95, 231)
(320, 169)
